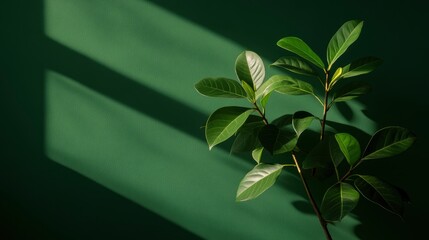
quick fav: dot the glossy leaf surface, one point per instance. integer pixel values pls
(271, 84)
(351, 90)
(295, 65)
(295, 87)
(250, 68)
(220, 87)
(257, 181)
(346, 35)
(349, 146)
(224, 122)
(361, 66)
(338, 201)
(277, 141)
(380, 193)
(301, 120)
(388, 142)
(300, 48)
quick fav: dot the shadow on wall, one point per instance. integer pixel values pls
(26, 103)
(41, 199)
(398, 85)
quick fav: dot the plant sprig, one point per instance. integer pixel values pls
(253, 132)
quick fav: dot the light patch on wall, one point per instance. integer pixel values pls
(162, 168)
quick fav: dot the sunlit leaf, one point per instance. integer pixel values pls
(257, 181)
(271, 84)
(338, 201)
(349, 146)
(295, 65)
(224, 122)
(336, 77)
(257, 154)
(277, 141)
(295, 87)
(249, 90)
(250, 68)
(300, 48)
(380, 193)
(346, 35)
(389, 141)
(301, 120)
(351, 90)
(361, 66)
(220, 87)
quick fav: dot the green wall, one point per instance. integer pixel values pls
(100, 122)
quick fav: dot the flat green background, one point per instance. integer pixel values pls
(100, 123)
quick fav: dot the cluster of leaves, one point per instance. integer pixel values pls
(253, 132)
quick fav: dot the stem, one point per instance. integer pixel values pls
(325, 106)
(264, 119)
(322, 221)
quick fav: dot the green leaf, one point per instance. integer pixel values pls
(349, 146)
(338, 201)
(249, 90)
(335, 152)
(283, 121)
(319, 156)
(220, 87)
(247, 137)
(264, 100)
(277, 141)
(361, 66)
(250, 68)
(295, 65)
(351, 90)
(300, 48)
(257, 154)
(224, 122)
(337, 76)
(295, 87)
(301, 120)
(257, 181)
(380, 193)
(271, 84)
(346, 35)
(389, 141)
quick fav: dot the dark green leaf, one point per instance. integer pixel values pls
(224, 122)
(247, 137)
(277, 141)
(361, 66)
(338, 201)
(351, 90)
(346, 35)
(300, 48)
(389, 141)
(250, 68)
(301, 120)
(349, 146)
(283, 121)
(380, 193)
(335, 152)
(220, 87)
(257, 181)
(319, 156)
(295, 65)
